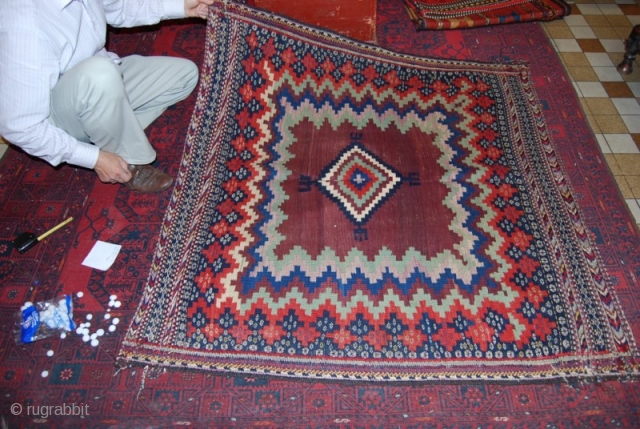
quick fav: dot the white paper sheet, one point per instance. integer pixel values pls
(102, 256)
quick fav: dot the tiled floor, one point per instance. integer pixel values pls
(591, 43)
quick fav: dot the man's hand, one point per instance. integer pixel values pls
(197, 8)
(111, 168)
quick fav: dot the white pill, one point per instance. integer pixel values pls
(100, 332)
(95, 342)
(112, 297)
(117, 304)
(89, 316)
(94, 336)
(79, 331)
(115, 321)
(107, 316)
(86, 338)
(44, 373)
(80, 294)
(112, 328)
(85, 331)
(63, 335)
(50, 353)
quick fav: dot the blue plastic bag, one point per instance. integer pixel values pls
(44, 319)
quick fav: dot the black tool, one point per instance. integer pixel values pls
(27, 240)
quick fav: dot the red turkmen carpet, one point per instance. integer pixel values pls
(35, 197)
(457, 14)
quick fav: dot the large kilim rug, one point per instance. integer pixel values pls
(450, 14)
(346, 212)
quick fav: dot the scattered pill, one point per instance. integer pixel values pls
(112, 297)
(50, 353)
(86, 338)
(112, 328)
(115, 321)
(79, 331)
(80, 294)
(94, 336)
(44, 373)
(100, 332)
(63, 335)
(89, 316)
(95, 342)
(117, 304)
(107, 316)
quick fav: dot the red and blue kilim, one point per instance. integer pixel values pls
(450, 14)
(346, 212)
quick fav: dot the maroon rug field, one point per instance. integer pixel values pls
(34, 196)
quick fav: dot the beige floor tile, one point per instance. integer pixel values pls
(624, 187)
(621, 32)
(601, 106)
(555, 23)
(585, 105)
(595, 127)
(560, 33)
(634, 186)
(612, 162)
(583, 74)
(629, 163)
(619, 21)
(606, 32)
(574, 59)
(597, 21)
(610, 124)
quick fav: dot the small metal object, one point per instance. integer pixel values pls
(27, 240)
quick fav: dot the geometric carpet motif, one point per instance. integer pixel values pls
(347, 212)
(458, 14)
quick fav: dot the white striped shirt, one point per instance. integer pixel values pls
(42, 39)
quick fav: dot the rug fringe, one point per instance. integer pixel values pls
(144, 377)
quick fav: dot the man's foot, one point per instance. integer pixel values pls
(146, 179)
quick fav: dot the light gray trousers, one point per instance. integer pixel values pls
(110, 105)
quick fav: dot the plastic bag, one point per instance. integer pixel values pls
(44, 319)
